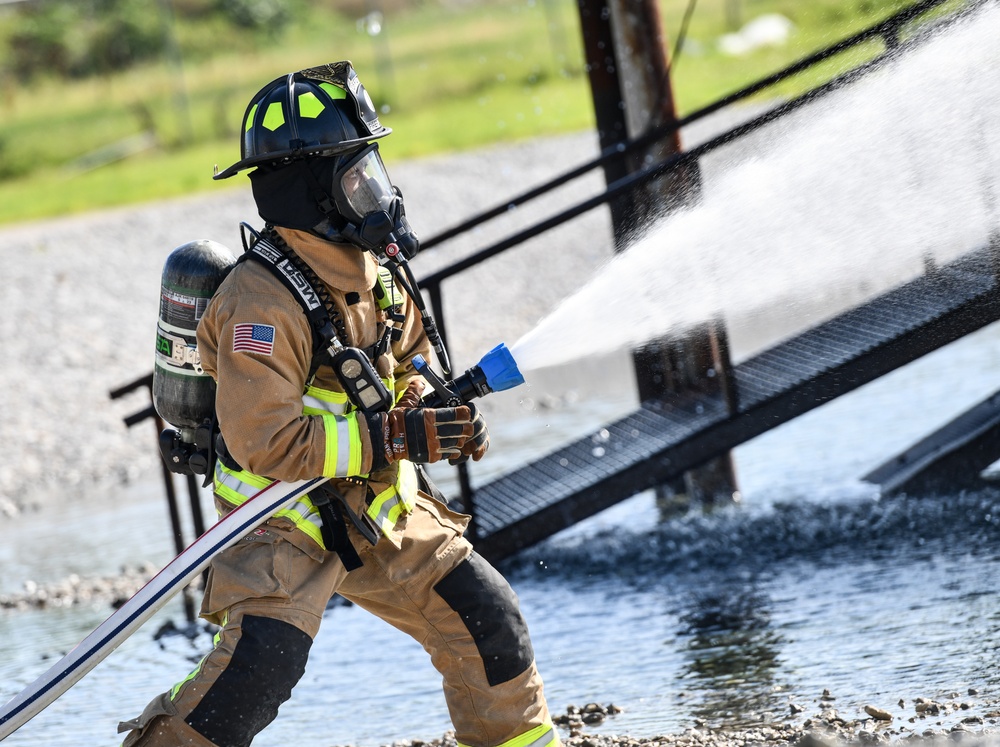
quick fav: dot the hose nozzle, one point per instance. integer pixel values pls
(495, 372)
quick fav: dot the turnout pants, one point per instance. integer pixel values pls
(268, 593)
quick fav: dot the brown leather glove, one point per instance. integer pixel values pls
(420, 434)
(479, 442)
(411, 397)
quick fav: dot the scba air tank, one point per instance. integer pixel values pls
(183, 394)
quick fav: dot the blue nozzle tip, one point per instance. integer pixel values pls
(500, 369)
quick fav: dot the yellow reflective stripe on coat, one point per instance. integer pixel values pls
(343, 446)
(236, 487)
(342, 459)
(318, 401)
(395, 500)
(542, 735)
(343, 436)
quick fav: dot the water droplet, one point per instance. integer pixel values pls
(597, 451)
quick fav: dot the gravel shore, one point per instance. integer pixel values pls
(924, 721)
(968, 717)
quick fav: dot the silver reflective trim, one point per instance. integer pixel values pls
(301, 508)
(543, 740)
(343, 446)
(315, 403)
(231, 481)
(305, 511)
(547, 737)
(381, 519)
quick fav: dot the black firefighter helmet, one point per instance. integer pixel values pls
(309, 134)
(321, 110)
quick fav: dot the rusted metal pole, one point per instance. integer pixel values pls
(629, 73)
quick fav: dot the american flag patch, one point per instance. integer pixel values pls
(253, 338)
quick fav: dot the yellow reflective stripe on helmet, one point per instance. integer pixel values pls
(334, 92)
(542, 735)
(249, 122)
(395, 500)
(274, 117)
(310, 106)
(343, 445)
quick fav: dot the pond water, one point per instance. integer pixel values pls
(812, 582)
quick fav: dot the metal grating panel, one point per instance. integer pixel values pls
(672, 436)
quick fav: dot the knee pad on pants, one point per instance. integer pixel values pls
(268, 661)
(489, 608)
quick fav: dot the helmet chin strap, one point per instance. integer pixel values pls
(333, 226)
(326, 230)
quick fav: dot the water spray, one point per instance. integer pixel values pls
(843, 200)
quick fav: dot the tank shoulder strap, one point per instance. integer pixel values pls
(325, 322)
(280, 264)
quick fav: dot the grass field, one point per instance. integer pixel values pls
(448, 76)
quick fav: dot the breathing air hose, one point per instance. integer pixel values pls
(404, 276)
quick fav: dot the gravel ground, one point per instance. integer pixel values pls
(928, 722)
(80, 301)
(78, 311)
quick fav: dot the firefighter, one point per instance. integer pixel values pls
(373, 533)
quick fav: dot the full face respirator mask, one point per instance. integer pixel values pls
(347, 198)
(371, 208)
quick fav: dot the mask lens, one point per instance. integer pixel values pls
(366, 185)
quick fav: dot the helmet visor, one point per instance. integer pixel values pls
(365, 184)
